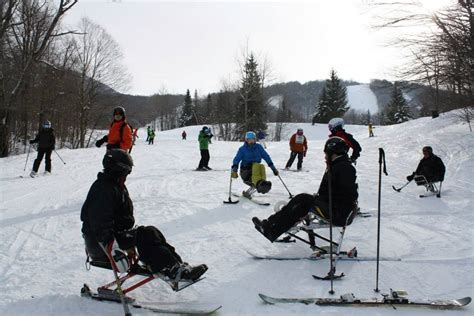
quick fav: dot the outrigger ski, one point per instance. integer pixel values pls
(112, 296)
(394, 299)
(251, 200)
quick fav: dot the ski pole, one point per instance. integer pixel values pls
(59, 156)
(117, 280)
(331, 267)
(400, 188)
(381, 160)
(291, 195)
(28, 155)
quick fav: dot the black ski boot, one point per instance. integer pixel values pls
(184, 271)
(264, 228)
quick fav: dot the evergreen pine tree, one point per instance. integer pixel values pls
(187, 116)
(332, 100)
(208, 109)
(250, 106)
(397, 110)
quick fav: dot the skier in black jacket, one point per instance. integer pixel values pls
(431, 166)
(107, 216)
(46, 141)
(336, 127)
(343, 190)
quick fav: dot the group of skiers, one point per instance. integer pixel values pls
(109, 230)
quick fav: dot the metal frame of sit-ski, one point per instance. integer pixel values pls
(430, 187)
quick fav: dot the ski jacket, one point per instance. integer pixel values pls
(249, 155)
(107, 210)
(350, 141)
(45, 139)
(343, 189)
(298, 143)
(120, 135)
(204, 140)
(432, 168)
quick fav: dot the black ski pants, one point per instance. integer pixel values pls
(204, 162)
(41, 153)
(292, 158)
(151, 245)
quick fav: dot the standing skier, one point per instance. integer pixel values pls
(46, 141)
(148, 130)
(151, 137)
(298, 147)
(252, 172)
(430, 166)
(135, 135)
(107, 216)
(336, 127)
(120, 133)
(204, 139)
(343, 194)
(183, 135)
(371, 130)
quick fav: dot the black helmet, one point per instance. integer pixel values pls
(119, 110)
(428, 149)
(118, 162)
(336, 145)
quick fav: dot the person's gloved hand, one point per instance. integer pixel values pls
(233, 173)
(353, 160)
(410, 177)
(101, 141)
(304, 153)
(275, 171)
(119, 257)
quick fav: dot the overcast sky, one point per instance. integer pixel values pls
(195, 45)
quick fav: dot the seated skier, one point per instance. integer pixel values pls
(430, 166)
(343, 191)
(252, 172)
(107, 216)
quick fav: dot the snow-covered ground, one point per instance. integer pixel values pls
(42, 254)
(361, 98)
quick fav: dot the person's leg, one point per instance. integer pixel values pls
(38, 159)
(290, 161)
(207, 157)
(48, 160)
(246, 175)
(203, 158)
(300, 161)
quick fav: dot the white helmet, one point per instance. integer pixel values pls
(335, 123)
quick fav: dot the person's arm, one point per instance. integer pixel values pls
(127, 139)
(101, 206)
(441, 169)
(292, 142)
(237, 159)
(265, 156)
(35, 140)
(305, 144)
(356, 149)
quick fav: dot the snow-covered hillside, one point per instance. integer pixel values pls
(361, 98)
(42, 253)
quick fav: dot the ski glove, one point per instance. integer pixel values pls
(275, 171)
(410, 177)
(304, 153)
(119, 257)
(234, 174)
(101, 141)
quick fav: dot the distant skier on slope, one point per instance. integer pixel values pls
(261, 138)
(430, 166)
(183, 135)
(298, 147)
(107, 216)
(46, 141)
(343, 191)
(336, 127)
(204, 139)
(252, 172)
(120, 133)
(151, 137)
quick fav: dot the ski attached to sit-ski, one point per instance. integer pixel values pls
(251, 200)
(343, 255)
(185, 310)
(394, 299)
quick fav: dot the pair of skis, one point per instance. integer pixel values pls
(394, 299)
(251, 199)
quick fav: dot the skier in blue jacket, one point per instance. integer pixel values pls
(252, 172)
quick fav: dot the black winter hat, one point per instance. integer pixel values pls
(119, 110)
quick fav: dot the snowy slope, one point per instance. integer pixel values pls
(362, 98)
(42, 255)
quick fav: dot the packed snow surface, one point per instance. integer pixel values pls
(42, 254)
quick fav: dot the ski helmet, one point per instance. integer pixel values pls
(250, 135)
(119, 110)
(428, 149)
(335, 124)
(47, 124)
(299, 131)
(118, 162)
(335, 145)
